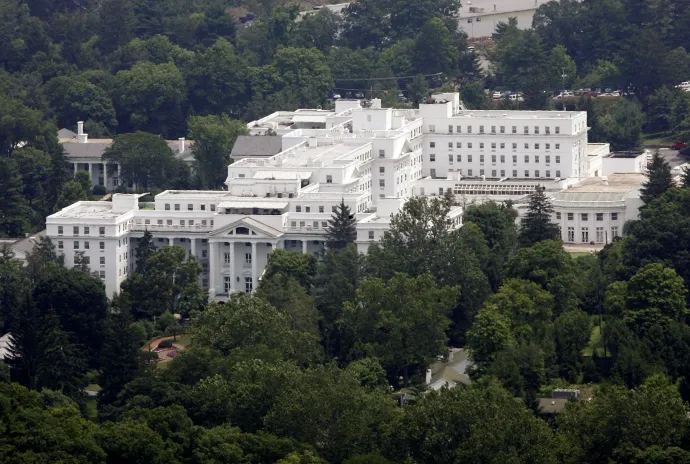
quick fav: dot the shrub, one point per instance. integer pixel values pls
(99, 190)
(166, 344)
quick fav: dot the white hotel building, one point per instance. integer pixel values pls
(370, 157)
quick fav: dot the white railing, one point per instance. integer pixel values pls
(170, 228)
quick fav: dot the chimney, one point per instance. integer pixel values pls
(180, 144)
(83, 138)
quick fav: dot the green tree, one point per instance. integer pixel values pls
(284, 293)
(317, 30)
(658, 179)
(13, 207)
(302, 267)
(133, 441)
(214, 137)
(572, 330)
(148, 98)
(622, 125)
(537, 225)
(145, 248)
(70, 193)
(402, 321)
(146, 160)
(341, 230)
(77, 99)
(417, 89)
(434, 35)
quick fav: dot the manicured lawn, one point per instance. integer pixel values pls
(577, 254)
(660, 138)
(595, 341)
(93, 387)
(92, 408)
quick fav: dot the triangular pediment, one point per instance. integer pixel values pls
(247, 227)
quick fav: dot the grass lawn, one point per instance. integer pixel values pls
(595, 342)
(577, 254)
(660, 138)
(93, 387)
(92, 408)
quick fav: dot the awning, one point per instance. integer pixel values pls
(260, 204)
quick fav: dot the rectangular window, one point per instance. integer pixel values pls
(493, 146)
(450, 145)
(101, 231)
(382, 182)
(329, 179)
(536, 173)
(102, 260)
(547, 130)
(298, 209)
(481, 172)
(469, 144)
(514, 172)
(600, 216)
(558, 146)
(203, 207)
(514, 158)
(458, 129)
(493, 129)
(469, 173)
(76, 245)
(101, 245)
(321, 209)
(481, 158)
(86, 231)
(514, 129)
(558, 216)
(571, 216)
(371, 235)
(527, 146)
(458, 144)
(432, 128)
(514, 146)
(614, 216)
(432, 144)
(547, 146)
(75, 230)
(614, 232)
(248, 285)
(169, 222)
(503, 129)
(503, 145)
(493, 173)
(59, 230)
(548, 159)
(101, 274)
(585, 235)
(584, 216)
(213, 207)
(536, 158)
(536, 129)
(450, 159)
(61, 245)
(248, 258)
(558, 129)
(526, 158)
(558, 173)
(177, 207)
(458, 158)
(469, 158)
(450, 129)
(382, 153)
(548, 174)
(382, 169)
(190, 207)
(571, 234)
(526, 129)
(536, 146)
(432, 157)
(481, 145)
(503, 172)
(493, 158)
(87, 245)
(526, 173)
(600, 234)
(469, 129)
(503, 158)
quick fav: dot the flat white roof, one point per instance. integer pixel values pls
(253, 203)
(515, 114)
(88, 210)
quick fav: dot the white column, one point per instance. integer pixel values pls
(232, 267)
(255, 276)
(91, 172)
(280, 244)
(213, 258)
(304, 247)
(193, 248)
(76, 167)
(119, 174)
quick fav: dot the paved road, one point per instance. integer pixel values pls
(672, 157)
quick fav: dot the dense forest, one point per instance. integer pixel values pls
(310, 368)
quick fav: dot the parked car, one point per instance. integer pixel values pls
(497, 95)
(683, 85)
(359, 95)
(336, 96)
(678, 145)
(470, 48)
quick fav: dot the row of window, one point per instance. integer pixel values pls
(502, 158)
(307, 209)
(182, 222)
(600, 236)
(190, 207)
(76, 244)
(502, 129)
(501, 174)
(86, 229)
(502, 145)
(585, 216)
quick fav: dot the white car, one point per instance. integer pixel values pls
(497, 95)
(516, 97)
(684, 85)
(336, 96)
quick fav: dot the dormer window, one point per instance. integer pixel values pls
(242, 231)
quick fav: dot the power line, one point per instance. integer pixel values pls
(384, 78)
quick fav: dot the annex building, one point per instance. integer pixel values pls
(290, 173)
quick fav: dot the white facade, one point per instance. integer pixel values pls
(479, 18)
(371, 158)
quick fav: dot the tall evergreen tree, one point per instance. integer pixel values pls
(145, 248)
(685, 178)
(13, 207)
(341, 229)
(658, 179)
(537, 225)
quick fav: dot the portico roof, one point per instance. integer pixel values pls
(260, 229)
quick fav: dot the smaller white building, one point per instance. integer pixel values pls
(479, 18)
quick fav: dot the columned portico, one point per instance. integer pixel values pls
(213, 268)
